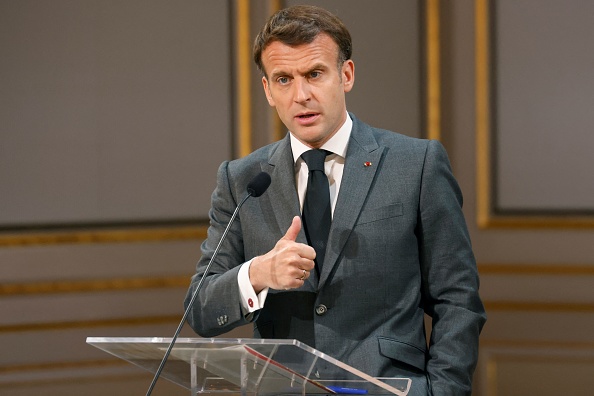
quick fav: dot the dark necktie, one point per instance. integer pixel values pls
(317, 215)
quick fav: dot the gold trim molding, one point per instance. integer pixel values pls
(84, 324)
(495, 358)
(102, 236)
(536, 344)
(61, 365)
(93, 286)
(433, 76)
(99, 380)
(539, 306)
(244, 81)
(486, 218)
(513, 269)
(483, 159)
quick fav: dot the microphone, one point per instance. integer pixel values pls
(256, 187)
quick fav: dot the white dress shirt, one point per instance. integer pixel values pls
(333, 167)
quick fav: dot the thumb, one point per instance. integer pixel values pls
(293, 231)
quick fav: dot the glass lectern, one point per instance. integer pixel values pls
(224, 366)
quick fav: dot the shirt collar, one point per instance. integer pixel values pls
(337, 143)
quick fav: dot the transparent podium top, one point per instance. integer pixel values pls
(225, 366)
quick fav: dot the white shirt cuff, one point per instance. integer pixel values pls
(250, 301)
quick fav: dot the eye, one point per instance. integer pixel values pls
(315, 74)
(282, 80)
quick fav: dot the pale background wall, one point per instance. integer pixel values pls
(115, 114)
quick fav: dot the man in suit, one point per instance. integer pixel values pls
(397, 247)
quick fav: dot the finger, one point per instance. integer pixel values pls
(304, 275)
(307, 274)
(306, 258)
(300, 274)
(293, 230)
(308, 264)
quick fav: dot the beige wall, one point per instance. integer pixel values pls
(536, 270)
(166, 107)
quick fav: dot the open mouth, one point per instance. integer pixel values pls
(306, 116)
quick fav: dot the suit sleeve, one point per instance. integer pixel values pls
(450, 278)
(217, 308)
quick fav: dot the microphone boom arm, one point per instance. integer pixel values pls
(195, 295)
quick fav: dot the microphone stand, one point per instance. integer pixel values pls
(195, 295)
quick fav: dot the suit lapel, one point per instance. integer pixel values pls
(361, 163)
(282, 194)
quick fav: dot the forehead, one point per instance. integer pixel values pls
(278, 56)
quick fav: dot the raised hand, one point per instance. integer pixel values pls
(286, 266)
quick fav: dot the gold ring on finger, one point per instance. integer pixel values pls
(303, 276)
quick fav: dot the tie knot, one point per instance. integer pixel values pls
(315, 159)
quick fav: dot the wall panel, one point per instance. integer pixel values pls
(533, 116)
(105, 108)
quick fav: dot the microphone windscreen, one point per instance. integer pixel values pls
(259, 184)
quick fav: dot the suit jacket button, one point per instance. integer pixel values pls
(321, 309)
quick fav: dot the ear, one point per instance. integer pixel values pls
(348, 75)
(267, 91)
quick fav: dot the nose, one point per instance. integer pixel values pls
(302, 92)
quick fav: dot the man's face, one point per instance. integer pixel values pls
(307, 88)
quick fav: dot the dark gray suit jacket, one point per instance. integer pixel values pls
(398, 248)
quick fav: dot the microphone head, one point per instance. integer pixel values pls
(259, 184)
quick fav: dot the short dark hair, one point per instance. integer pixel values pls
(301, 25)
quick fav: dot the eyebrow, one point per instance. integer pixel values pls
(317, 66)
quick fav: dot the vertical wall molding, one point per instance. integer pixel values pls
(483, 158)
(244, 85)
(433, 67)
